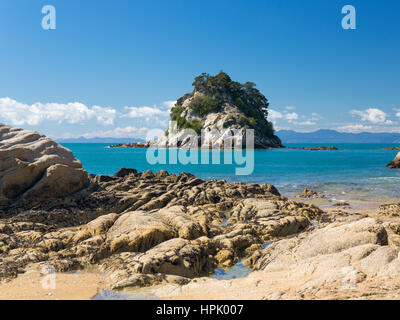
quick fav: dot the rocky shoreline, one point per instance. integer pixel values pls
(131, 145)
(147, 228)
(316, 148)
(169, 233)
(395, 164)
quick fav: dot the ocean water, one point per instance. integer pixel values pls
(356, 171)
(236, 272)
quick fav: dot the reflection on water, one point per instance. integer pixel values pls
(225, 223)
(236, 272)
(267, 244)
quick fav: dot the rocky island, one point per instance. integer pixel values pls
(395, 164)
(224, 109)
(392, 148)
(317, 148)
(131, 145)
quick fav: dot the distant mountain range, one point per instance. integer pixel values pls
(287, 136)
(100, 140)
(332, 136)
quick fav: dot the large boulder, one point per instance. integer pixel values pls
(34, 167)
(395, 164)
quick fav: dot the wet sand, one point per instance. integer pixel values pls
(32, 285)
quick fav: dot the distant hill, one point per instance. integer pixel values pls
(100, 140)
(332, 136)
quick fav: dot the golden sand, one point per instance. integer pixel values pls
(58, 286)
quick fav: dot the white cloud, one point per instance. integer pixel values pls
(119, 132)
(305, 123)
(397, 113)
(105, 116)
(372, 115)
(273, 114)
(143, 112)
(291, 116)
(169, 104)
(315, 117)
(18, 113)
(146, 112)
(354, 128)
(156, 121)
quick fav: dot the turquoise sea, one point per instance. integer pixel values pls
(356, 171)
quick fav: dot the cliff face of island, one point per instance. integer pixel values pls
(223, 110)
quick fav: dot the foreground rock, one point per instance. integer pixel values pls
(347, 260)
(395, 164)
(34, 167)
(389, 210)
(308, 193)
(143, 229)
(317, 148)
(341, 204)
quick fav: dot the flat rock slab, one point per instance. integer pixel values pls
(351, 260)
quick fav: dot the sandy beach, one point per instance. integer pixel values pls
(32, 285)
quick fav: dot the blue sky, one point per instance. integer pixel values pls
(113, 68)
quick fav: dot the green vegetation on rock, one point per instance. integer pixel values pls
(212, 93)
(203, 105)
(230, 121)
(219, 89)
(182, 123)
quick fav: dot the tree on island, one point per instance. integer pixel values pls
(217, 90)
